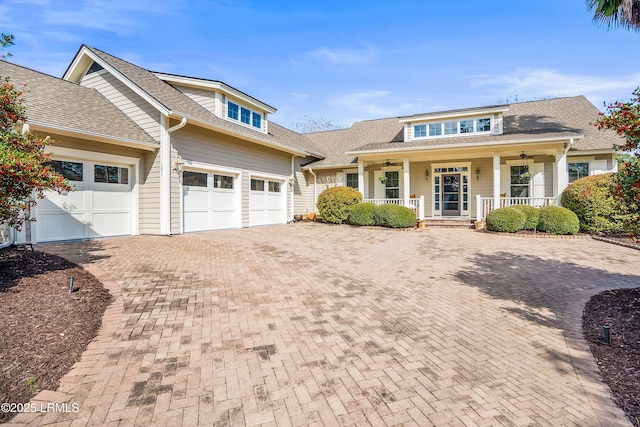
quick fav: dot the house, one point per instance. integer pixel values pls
(157, 153)
(463, 163)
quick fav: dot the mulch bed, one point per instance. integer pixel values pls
(44, 329)
(619, 360)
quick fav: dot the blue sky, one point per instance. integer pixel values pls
(343, 61)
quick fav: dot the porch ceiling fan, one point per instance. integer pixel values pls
(388, 163)
(523, 156)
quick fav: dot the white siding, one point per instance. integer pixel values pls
(131, 104)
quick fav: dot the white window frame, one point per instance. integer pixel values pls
(440, 125)
(252, 114)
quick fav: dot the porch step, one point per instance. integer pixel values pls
(449, 223)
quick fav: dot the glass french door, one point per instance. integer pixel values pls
(451, 195)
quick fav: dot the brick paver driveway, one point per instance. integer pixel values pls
(308, 324)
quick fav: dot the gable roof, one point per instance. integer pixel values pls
(171, 101)
(552, 119)
(67, 107)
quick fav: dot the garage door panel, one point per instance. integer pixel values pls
(60, 226)
(91, 209)
(69, 201)
(267, 207)
(110, 224)
(257, 201)
(110, 200)
(196, 221)
(210, 207)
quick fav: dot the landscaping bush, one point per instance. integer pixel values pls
(558, 220)
(394, 216)
(362, 214)
(335, 203)
(506, 220)
(532, 216)
(591, 199)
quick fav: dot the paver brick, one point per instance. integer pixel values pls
(310, 324)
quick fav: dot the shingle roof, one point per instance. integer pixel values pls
(57, 103)
(180, 104)
(525, 121)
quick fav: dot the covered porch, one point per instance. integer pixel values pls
(464, 183)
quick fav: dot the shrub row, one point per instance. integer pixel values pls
(549, 219)
(338, 205)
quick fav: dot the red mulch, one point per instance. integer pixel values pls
(44, 328)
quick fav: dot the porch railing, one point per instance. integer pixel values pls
(484, 205)
(415, 204)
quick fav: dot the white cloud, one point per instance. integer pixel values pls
(371, 103)
(537, 83)
(297, 97)
(363, 55)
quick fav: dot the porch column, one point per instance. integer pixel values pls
(496, 181)
(562, 174)
(406, 181)
(361, 179)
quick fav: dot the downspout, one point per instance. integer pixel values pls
(165, 171)
(315, 189)
(568, 147)
(292, 180)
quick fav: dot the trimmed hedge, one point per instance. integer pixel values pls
(335, 203)
(591, 199)
(532, 216)
(558, 220)
(505, 220)
(363, 214)
(394, 216)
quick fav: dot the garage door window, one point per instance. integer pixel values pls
(223, 181)
(110, 174)
(70, 170)
(194, 179)
(274, 187)
(257, 185)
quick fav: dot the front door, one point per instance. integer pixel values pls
(451, 195)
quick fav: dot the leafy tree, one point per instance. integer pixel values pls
(5, 40)
(310, 124)
(624, 118)
(24, 170)
(616, 13)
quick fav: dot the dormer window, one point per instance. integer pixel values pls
(244, 115)
(452, 128)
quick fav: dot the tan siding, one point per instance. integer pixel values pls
(303, 189)
(85, 144)
(176, 195)
(206, 98)
(218, 149)
(131, 104)
(150, 195)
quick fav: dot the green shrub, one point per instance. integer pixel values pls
(505, 220)
(362, 214)
(532, 214)
(591, 199)
(558, 220)
(394, 216)
(335, 203)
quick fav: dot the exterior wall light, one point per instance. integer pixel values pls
(477, 172)
(178, 165)
(426, 174)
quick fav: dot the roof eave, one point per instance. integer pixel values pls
(465, 145)
(35, 125)
(245, 136)
(214, 85)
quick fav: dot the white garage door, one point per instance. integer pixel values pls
(266, 202)
(210, 201)
(100, 205)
